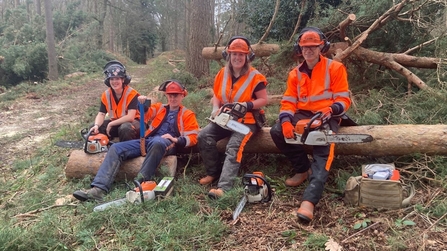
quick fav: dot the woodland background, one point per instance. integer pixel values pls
(51, 59)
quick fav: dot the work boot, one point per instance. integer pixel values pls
(215, 193)
(94, 193)
(206, 180)
(306, 211)
(297, 179)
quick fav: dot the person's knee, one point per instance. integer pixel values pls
(126, 131)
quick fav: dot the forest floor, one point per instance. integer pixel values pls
(273, 226)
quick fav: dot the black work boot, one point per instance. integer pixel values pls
(94, 193)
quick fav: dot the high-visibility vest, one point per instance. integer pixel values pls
(240, 91)
(120, 109)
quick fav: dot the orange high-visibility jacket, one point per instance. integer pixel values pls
(187, 125)
(119, 110)
(241, 91)
(329, 84)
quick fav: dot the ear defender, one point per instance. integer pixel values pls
(178, 87)
(325, 46)
(115, 68)
(237, 47)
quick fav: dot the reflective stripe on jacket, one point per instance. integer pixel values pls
(119, 110)
(240, 91)
(328, 84)
(187, 125)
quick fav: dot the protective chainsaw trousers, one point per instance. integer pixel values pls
(207, 143)
(156, 148)
(126, 131)
(297, 155)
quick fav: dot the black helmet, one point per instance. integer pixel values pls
(115, 69)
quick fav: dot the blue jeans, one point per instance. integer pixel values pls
(156, 148)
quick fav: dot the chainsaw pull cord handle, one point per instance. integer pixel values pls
(137, 184)
(246, 180)
(308, 126)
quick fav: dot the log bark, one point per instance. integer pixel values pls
(389, 140)
(81, 164)
(261, 50)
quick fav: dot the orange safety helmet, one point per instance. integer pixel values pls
(239, 45)
(310, 38)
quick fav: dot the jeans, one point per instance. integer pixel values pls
(156, 148)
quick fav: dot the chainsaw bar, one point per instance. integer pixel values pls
(318, 138)
(70, 144)
(239, 207)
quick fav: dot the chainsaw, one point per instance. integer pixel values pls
(145, 191)
(316, 132)
(228, 116)
(93, 143)
(256, 189)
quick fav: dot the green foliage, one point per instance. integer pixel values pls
(316, 242)
(362, 222)
(400, 223)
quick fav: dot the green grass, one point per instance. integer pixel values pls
(188, 220)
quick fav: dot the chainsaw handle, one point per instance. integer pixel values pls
(246, 180)
(137, 184)
(308, 126)
(235, 109)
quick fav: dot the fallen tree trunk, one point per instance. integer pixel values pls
(389, 140)
(260, 50)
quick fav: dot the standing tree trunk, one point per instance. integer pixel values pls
(51, 45)
(199, 37)
(37, 5)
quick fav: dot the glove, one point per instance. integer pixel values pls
(326, 113)
(288, 130)
(248, 105)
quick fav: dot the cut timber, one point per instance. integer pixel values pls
(260, 50)
(389, 140)
(81, 164)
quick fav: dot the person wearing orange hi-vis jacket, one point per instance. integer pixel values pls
(172, 127)
(238, 84)
(318, 84)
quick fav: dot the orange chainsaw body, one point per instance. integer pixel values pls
(301, 125)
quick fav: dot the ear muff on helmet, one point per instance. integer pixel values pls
(164, 85)
(115, 68)
(325, 46)
(251, 54)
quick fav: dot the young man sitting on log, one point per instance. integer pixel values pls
(316, 85)
(173, 126)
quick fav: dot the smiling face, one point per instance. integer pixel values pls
(238, 60)
(311, 54)
(174, 100)
(116, 83)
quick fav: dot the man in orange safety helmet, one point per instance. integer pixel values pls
(318, 84)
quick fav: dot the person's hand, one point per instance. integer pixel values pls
(326, 113)
(94, 129)
(142, 99)
(214, 112)
(288, 130)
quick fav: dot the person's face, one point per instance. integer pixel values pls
(238, 60)
(116, 83)
(311, 53)
(174, 99)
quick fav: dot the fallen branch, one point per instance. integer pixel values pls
(32, 213)
(434, 223)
